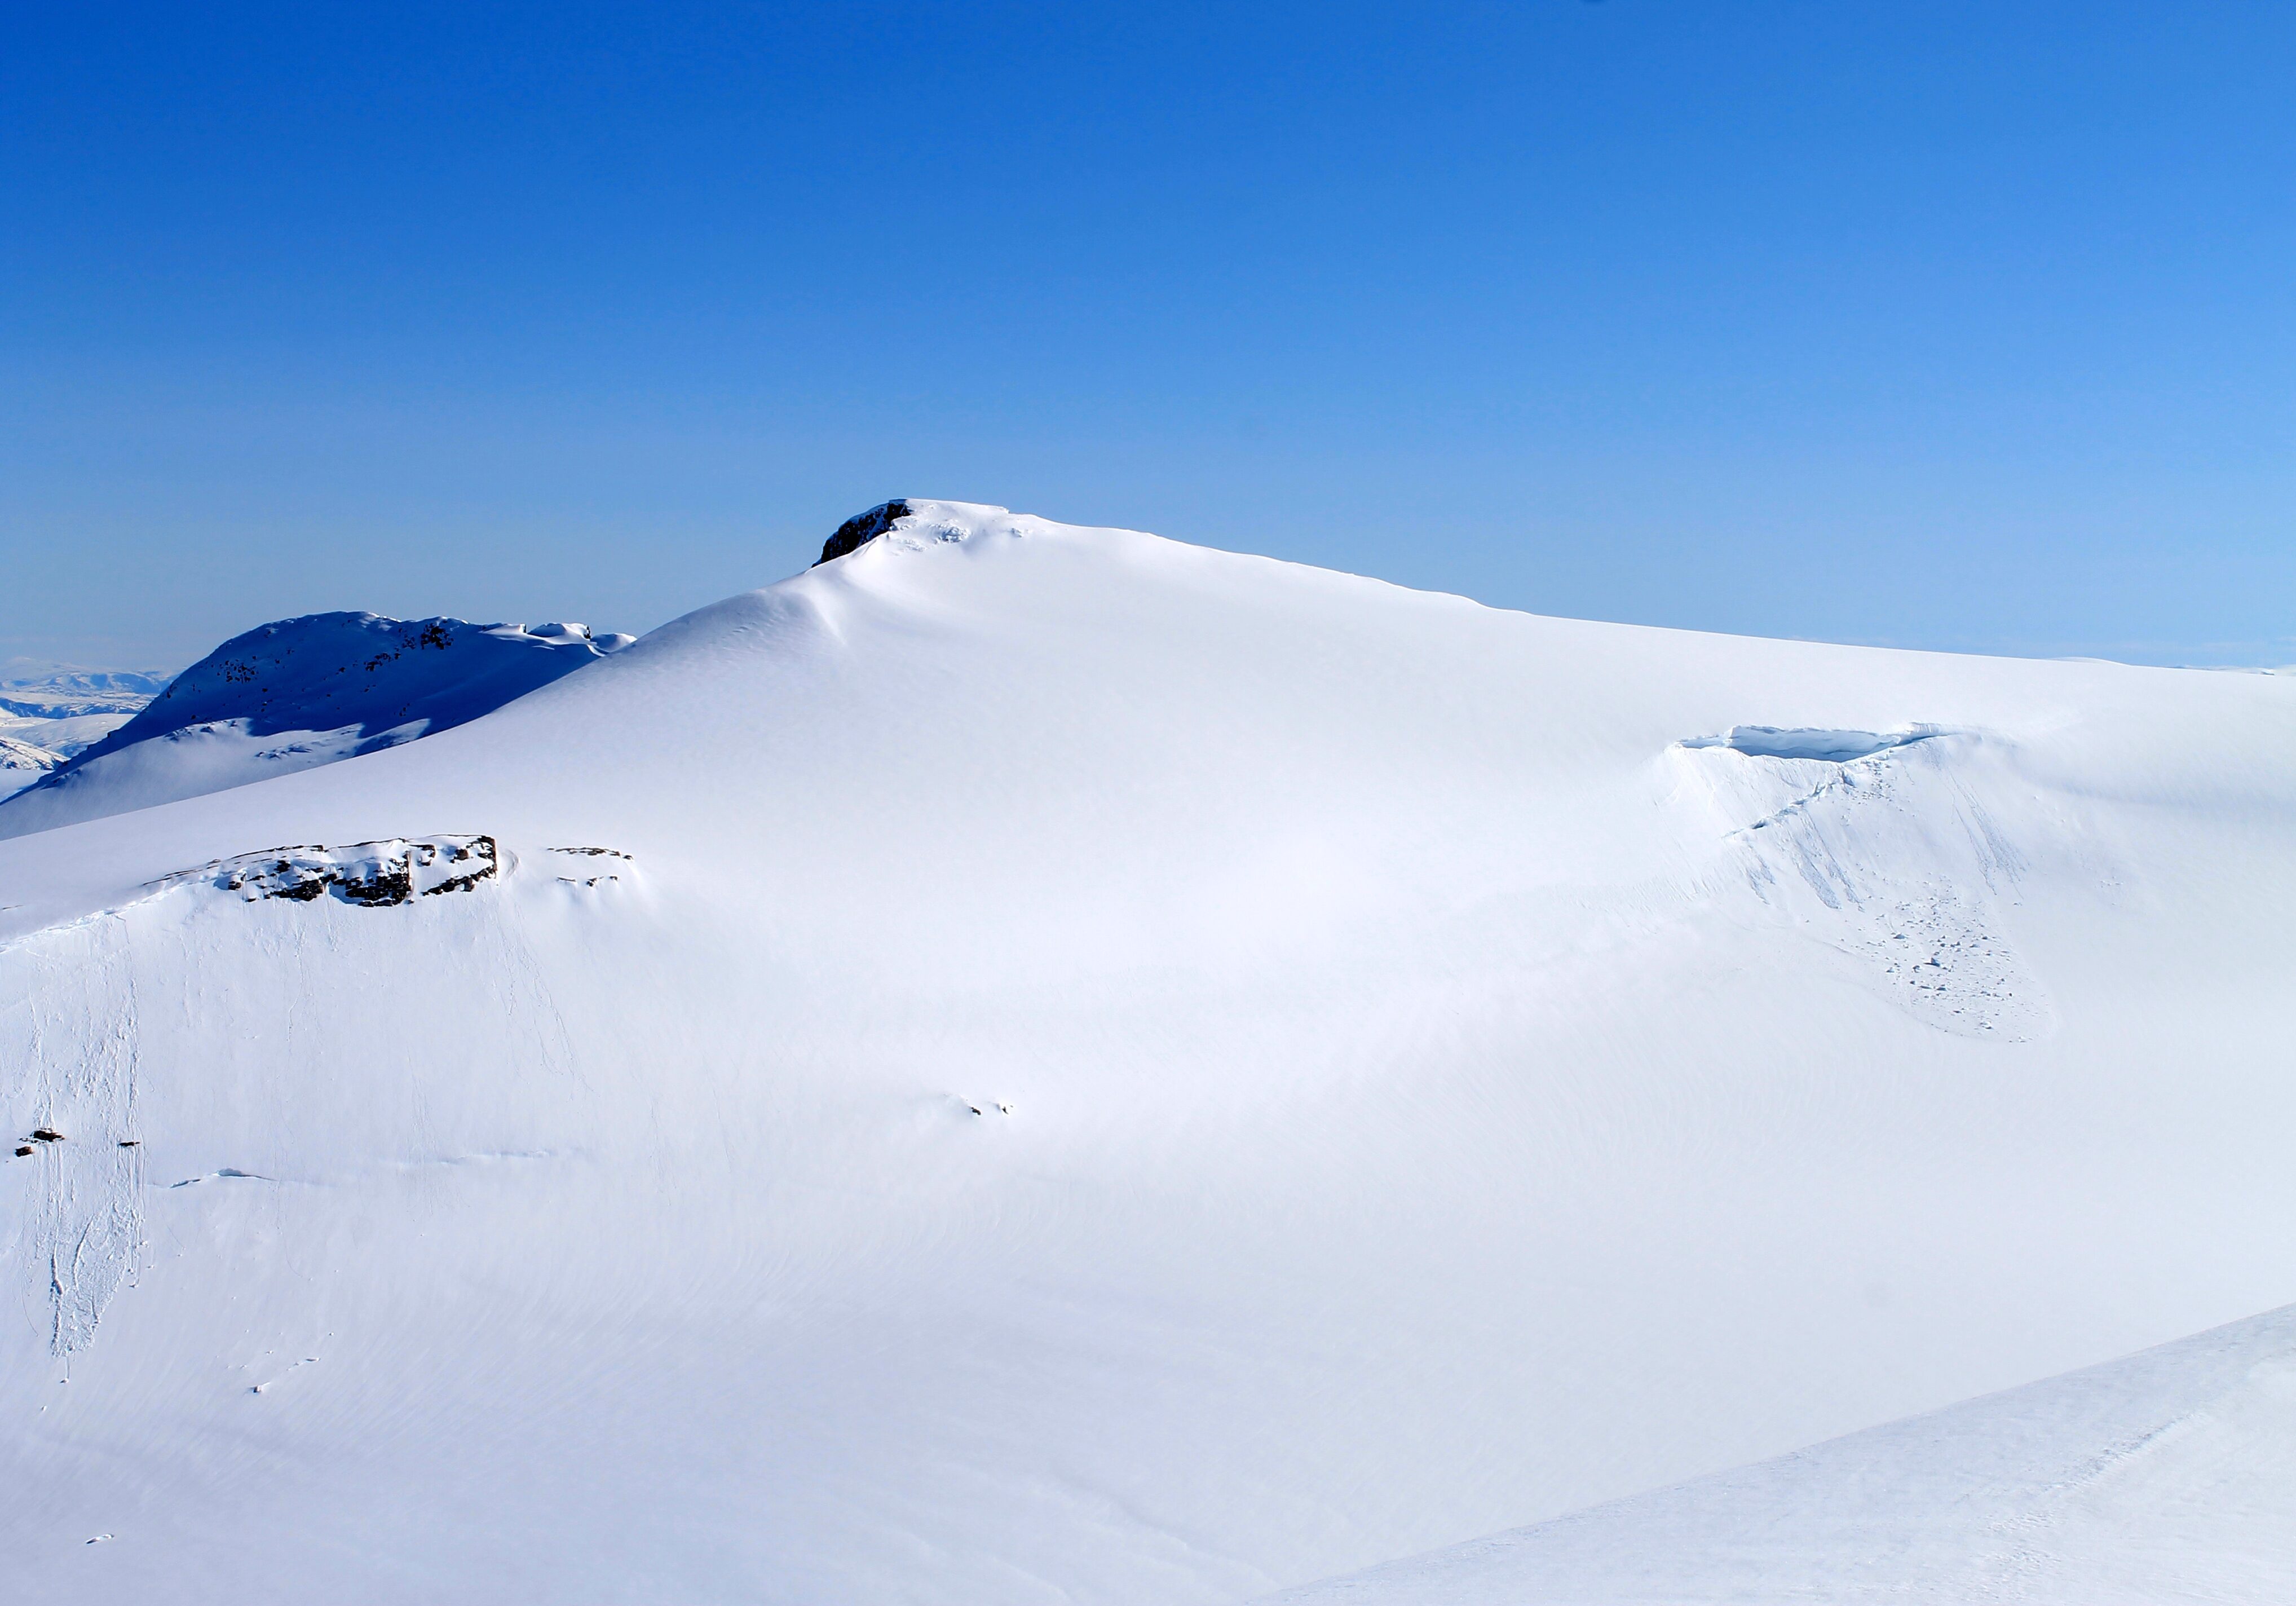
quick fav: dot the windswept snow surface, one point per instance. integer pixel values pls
(1092, 1070)
(295, 694)
(2168, 1476)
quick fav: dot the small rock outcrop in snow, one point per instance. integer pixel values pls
(861, 529)
(373, 876)
(298, 694)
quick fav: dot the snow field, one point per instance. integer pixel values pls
(1440, 1098)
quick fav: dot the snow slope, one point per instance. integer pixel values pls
(1093, 1069)
(295, 694)
(2166, 1476)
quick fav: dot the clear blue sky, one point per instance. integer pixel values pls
(1934, 324)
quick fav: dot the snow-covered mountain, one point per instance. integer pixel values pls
(293, 695)
(1093, 1069)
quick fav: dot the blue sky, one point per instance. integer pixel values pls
(1956, 326)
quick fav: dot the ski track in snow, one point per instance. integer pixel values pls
(74, 1054)
(76, 1045)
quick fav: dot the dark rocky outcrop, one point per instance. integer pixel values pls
(861, 529)
(373, 875)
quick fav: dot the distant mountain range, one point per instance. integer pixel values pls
(63, 711)
(67, 694)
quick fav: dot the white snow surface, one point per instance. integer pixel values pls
(2168, 1476)
(1092, 1070)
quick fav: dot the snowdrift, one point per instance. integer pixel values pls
(2168, 1476)
(1092, 1070)
(293, 695)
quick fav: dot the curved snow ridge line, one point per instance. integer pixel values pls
(1853, 753)
(77, 922)
(2159, 1476)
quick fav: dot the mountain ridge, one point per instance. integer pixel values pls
(334, 685)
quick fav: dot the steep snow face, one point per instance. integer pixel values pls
(1089, 1069)
(2168, 1476)
(296, 694)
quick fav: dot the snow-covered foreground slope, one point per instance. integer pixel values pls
(1435, 1070)
(295, 694)
(2168, 1476)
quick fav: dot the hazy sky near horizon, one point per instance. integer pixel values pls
(1938, 324)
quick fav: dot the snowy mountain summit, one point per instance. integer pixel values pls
(861, 529)
(1094, 1069)
(912, 523)
(300, 693)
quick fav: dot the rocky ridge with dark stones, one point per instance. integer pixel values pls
(861, 529)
